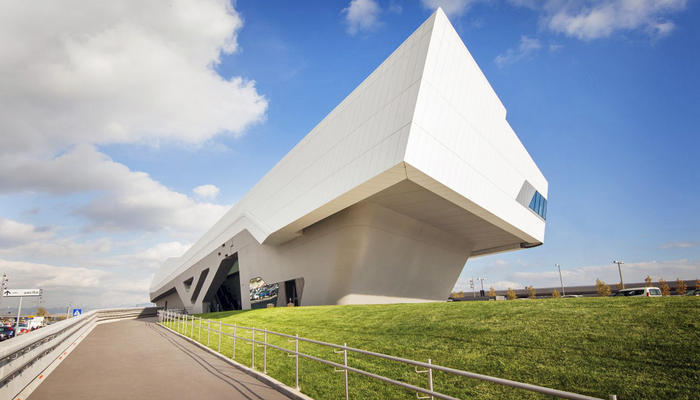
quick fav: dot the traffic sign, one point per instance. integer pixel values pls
(77, 311)
(21, 292)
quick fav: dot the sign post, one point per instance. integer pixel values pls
(21, 293)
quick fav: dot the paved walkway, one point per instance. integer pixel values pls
(135, 359)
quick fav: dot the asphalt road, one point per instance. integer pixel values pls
(135, 359)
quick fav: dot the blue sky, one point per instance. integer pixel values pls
(112, 116)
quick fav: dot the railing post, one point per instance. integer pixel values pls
(345, 360)
(200, 329)
(430, 378)
(233, 356)
(265, 352)
(296, 366)
(220, 330)
(344, 370)
(208, 330)
(192, 328)
(428, 371)
(252, 352)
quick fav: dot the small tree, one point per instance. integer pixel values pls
(492, 292)
(41, 312)
(681, 287)
(531, 293)
(665, 289)
(601, 288)
(510, 294)
(697, 284)
(555, 294)
(648, 281)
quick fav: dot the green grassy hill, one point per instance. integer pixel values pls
(633, 347)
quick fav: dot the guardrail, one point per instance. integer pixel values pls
(24, 357)
(185, 324)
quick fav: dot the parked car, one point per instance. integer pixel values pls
(640, 291)
(693, 292)
(6, 332)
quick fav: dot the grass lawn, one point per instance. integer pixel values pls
(637, 348)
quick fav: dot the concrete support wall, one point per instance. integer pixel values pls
(364, 254)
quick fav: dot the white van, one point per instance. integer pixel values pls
(639, 291)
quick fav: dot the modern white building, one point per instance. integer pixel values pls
(383, 201)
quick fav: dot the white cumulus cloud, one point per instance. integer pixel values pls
(127, 200)
(527, 47)
(594, 19)
(86, 287)
(154, 256)
(102, 72)
(14, 233)
(206, 191)
(361, 16)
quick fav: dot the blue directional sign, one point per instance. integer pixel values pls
(77, 311)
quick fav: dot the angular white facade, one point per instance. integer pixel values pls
(383, 201)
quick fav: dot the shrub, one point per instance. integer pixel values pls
(555, 294)
(665, 289)
(648, 281)
(681, 287)
(510, 294)
(601, 288)
(531, 292)
(492, 292)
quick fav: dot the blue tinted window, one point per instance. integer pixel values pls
(538, 204)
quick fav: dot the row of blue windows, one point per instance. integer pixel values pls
(538, 204)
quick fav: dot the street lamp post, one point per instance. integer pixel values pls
(619, 269)
(561, 281)
(482, 286)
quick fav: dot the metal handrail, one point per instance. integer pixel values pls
(169, 316)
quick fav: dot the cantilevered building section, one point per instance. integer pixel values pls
(382, 202)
